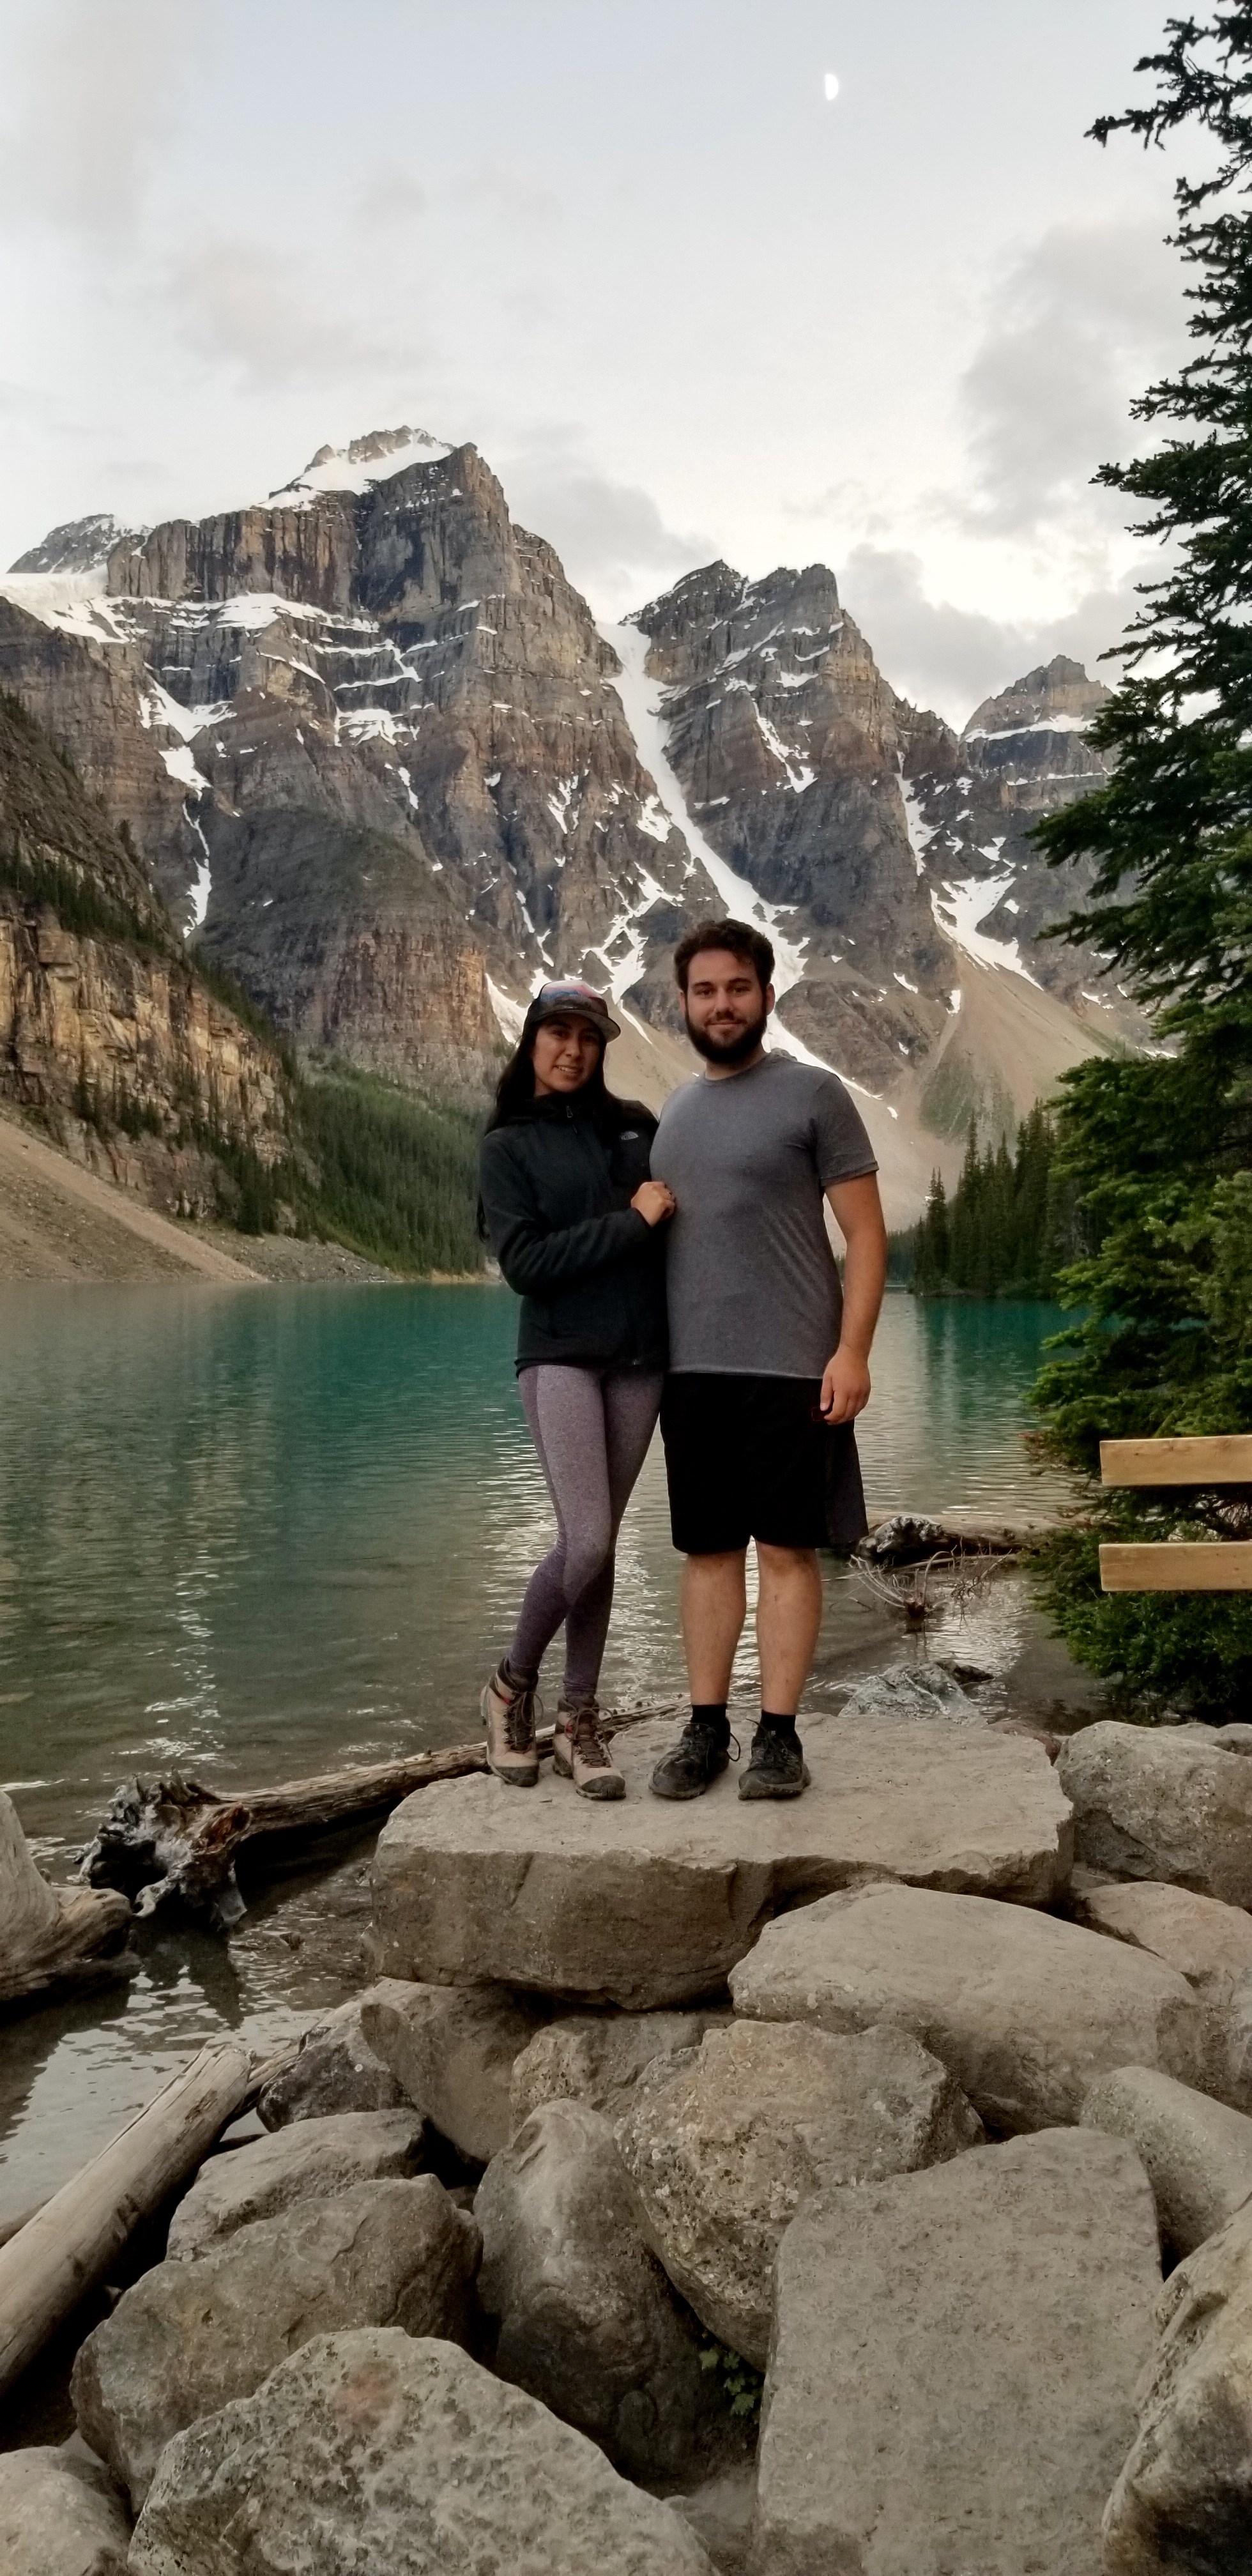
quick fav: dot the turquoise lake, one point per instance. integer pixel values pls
(255, 1533)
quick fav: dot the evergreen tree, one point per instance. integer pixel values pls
(1001, 1234)
(1157, 1151)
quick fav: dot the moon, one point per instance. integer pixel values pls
(831, 85)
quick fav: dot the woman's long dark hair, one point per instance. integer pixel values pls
(515, 1091)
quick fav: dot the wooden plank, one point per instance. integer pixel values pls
(1178, 1565)
(1225, 1459)
(69, 2244)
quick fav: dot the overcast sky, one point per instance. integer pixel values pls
(683, 303)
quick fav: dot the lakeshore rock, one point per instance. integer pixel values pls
(598, 2058)
(1208, 1942)
(190, 2336)
(646, 1903)
(453, 2050)
(951, 2378)
(312, 2160)
(374, 2451)
(586, 2319)
(1183, 2500)
(722, 2154)
(1161, 1803)
(721, 2514)
(60, 2515)
(1197, 2153)
(336, 2070)
(1027, 2012)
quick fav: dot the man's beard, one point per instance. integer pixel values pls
(729, 1050)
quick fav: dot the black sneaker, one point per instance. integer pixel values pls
(776, 1766)
(693, 1764)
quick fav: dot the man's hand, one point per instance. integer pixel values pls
(845, 1387)
(653, 1202)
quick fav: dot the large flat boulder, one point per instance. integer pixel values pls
(60, 2515)
(311, 2160)
(722, 2153)
(452, 2049)
(1161, 1803)
(1196, 2153)
(584, 2316)
(646, 1903)
(1183, 2499)
(393, 2457)
(190, 2336)
(950, 2385)
(598, 2058)
(1026, 2011)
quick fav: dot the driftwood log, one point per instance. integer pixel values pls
(174, 1840)
(53, 1937)
(70, 2244)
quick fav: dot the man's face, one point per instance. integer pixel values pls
(725, 1009)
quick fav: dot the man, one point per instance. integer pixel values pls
(769, 1359)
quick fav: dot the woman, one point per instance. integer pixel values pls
(574, 1222)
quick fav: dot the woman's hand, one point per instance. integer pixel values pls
(653, 1202)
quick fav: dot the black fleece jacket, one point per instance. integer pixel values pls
(589, 1270)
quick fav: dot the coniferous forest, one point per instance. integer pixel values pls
(1010, 1226)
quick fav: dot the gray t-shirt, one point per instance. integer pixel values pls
(751, 1279)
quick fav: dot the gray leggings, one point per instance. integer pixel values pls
(591, 1429)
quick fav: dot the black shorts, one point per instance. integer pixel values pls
(750, 1457)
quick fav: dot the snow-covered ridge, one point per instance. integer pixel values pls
(364, 462)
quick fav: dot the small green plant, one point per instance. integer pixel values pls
(740, 2384)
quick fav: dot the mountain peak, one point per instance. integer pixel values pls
(371, 459)
(1057, 697)
(78, 545)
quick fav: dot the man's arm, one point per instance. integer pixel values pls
(857, 1211)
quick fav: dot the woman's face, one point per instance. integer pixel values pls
(565, 1054)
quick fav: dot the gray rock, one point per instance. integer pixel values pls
(1208, 1942)
(1197, 2153)
(453, 2050)
(377, 2453)
(1161, 1803)
(913, 1690)
(336, 2070)
(951, 2379)
(722, 2154)
(312, 2160)
(598, 2057)
(190, 2336)
(1183, 2500)
(60, 2516)
(1027, 2012)
(586, 2318)
(721, 2514)
(646, 1904)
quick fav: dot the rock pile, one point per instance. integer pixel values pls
(903, 2114)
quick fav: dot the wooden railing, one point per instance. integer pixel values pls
(1178, 1565)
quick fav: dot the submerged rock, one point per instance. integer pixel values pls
(190, 2336)
(585, 2317)
(395, 2457)
(951, 2378)
(645, 1903)
(723, 2153)
(1026, 2011)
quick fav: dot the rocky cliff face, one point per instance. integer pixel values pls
(136, 1066)
(368, 739)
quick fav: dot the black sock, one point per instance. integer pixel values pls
(710, 1714)
(777, 1725)
(515, 1681)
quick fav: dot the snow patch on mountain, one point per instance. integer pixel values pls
(365, 461)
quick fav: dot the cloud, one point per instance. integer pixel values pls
(951, 658)
(610, 536)
(1078, 325)
(93, 86)
(276, 318)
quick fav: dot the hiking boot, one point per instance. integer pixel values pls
(580, 1754)
(776, 1765)
(508, 1712)
(693, 1764)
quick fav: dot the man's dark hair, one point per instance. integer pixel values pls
(738, 937)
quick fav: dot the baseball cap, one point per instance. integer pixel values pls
(571, 1000)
